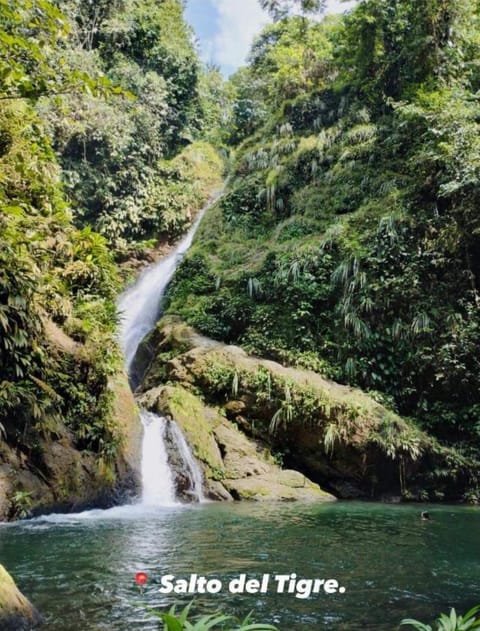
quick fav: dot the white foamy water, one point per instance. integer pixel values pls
(140, 306)
(189, 461)
(157, 479)
(127, 512)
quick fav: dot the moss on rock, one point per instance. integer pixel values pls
(60, 475)
(16, 611)
(336, 434)
(128, 431)
(233, 465)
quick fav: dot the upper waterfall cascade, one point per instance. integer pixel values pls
(140, 305)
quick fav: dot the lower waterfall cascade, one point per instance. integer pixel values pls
(190, 464)
(158, 478)
(158, 488)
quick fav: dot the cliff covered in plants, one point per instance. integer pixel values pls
(345, 246)
(103, 142)
(136, 165)
(347, 242)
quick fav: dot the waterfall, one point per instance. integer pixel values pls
(140, 305)
(190, 463)
(139, 308)
(157, 478)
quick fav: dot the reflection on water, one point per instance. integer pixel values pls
(79, 569)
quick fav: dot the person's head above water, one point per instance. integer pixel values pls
(425, 515)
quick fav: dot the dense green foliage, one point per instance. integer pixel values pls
(348, 241)
(49, 270)
(173, 621)
(103, 111)
(117, 152)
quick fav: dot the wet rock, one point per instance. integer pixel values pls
(60, 477)
(234, 466)
(337, 435)
(128, 426)
(16, 611)
(7, 488)
(217, 492)
(181, 475)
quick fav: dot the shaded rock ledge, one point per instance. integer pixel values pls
(60, 476)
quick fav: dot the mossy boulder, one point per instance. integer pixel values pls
(337, 435)
(250, 471)
(128, 430)
(61, 479)
(16, 611)
(234, 466)
(168, 339)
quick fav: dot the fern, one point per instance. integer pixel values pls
(173, 621)
(452, 622)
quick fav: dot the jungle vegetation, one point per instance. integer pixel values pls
(348, 241)
(105, 119)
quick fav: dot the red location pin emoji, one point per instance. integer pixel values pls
(140, 579)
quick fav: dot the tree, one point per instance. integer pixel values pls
(30, 35)
(165, 102)
(279, 9)
(394, 46)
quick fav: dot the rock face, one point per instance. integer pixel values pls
(126, 419)
(231, 406)
(234, 466)
(16, 611)
(58, 475)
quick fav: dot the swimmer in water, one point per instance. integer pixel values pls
(425, 516)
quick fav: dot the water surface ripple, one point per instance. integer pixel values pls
(79, 569)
